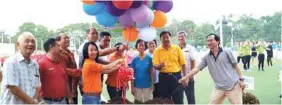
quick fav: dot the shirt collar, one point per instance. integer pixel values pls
(219, 51)
(20, 58)
(49, 59)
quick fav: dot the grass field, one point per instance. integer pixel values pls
(267, 86)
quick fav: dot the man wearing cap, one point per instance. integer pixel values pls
(169, 60)
(224, 71)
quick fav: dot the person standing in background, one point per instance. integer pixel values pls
(189, 53)
(269, 52)
(152, 46)
(254, 52)
(246, 49)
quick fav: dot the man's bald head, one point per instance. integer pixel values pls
(26, 44)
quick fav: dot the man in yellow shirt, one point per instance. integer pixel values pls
(169, 60)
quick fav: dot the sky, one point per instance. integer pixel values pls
(57, 13)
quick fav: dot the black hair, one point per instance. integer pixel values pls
(58, 36)
(139, 41)
(164, 32)
(155, 41)
(85, 51)
(118, 44)
(216, 37)
(51, 42)
(104, 33)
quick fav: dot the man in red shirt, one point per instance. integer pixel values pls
(67, 59)
(53, 76)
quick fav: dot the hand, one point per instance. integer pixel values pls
(183, 80)
(123, 47)
(152, 88)
(71, 101)
(119, 61)
(132, 91)
(42, 102)
(242, 85)
(162, 64)
(185, 83)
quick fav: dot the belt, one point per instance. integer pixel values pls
(53, 99)
(93, 94)
(170, 73)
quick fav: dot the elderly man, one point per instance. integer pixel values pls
(21, 75)
(224, 71)
(67, 59)
(189, 53)
(169, 60)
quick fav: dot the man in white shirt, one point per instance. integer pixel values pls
(189, 53)
(21, 74)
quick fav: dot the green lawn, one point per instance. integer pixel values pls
(267, 86)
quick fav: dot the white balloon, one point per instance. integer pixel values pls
(147, 34)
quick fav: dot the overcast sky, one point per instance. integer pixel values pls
(57, 13)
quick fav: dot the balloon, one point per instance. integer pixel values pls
(93, 9)
(130, 34)
(106, 19)
(140, 14)
(113, 10)
(164, 6)
(88, 1)
(148, 22)
(136, 4)
(147, 34)
(159, 20)
(122, 4)
(125, 20)
(149, 4)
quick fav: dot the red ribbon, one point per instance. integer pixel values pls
(124, 75)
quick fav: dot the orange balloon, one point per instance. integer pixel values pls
(120, 4)
(160, 19)
(88, 1)
(130, 34)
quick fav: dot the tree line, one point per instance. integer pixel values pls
(265, 28)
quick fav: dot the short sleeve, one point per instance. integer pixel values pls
(181, 58)
(156, 58)
(10, 73)
(231, 58)
(202, 64)
(92, 66)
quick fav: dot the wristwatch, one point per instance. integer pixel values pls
(241, 79)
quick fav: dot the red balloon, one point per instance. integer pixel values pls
(122, 4)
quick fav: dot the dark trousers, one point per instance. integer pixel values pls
(261, 62)
(170, 88)
(269, 61)
(156, 93)
(190, 92)
(246, 61)
(238, 59)
(113, 92)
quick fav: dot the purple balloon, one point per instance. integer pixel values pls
(140, 14)
(136, 4)
(113, 10)
(125, 20)
(164, 6)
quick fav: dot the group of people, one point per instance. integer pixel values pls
(162, 71)
(248, 51)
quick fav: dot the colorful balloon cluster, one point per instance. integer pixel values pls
(130, 14)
